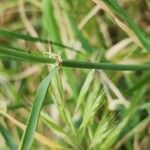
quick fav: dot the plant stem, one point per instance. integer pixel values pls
(103, 66)
(8, 53)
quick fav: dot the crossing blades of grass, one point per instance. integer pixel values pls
(49, 122)
(8, 138)
(138, 128)
(129, 114)
(9, 53)
(101, 132)
(91, 108)
(77, 33)
(77, 114)
(28, 135)
(113, 4)
(39, 137)
(15, 35)
(58, 98)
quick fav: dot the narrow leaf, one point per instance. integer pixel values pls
(50, 24)
(8, 138)
(85, 89)
(15, 35)
(113, 4)
(28, 136)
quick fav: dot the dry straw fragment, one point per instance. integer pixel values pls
(122, 25)
(44, 140)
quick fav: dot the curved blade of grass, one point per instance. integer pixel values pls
(8, 138)
(113, 4)
(15, 35)
(28, 136)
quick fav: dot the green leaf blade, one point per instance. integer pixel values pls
(28, 136)
(8, 138)
(113, 4)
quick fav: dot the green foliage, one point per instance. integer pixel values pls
(28, 135)
(8, 138)
(85, 108)
(50, 24)
(113, 4)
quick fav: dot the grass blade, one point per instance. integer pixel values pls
(15, 35)
(27, 138)
(91, 108)
(39, 137)
(8, 138)
(80, 36)
(113, 4)
(84, 89)
(9, 53)
(49, 122)
(50, 24)
(129, 114)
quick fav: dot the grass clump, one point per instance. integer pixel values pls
(70, 78)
